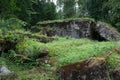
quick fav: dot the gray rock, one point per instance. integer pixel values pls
(6, 74)
(80, 29)
(90, 69)
(4, 71)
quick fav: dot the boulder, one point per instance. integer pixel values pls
(4, 71)
(105, 32)
(90, 69)
(79, 28)
(6, 74)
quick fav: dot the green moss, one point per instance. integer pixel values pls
(64, 20)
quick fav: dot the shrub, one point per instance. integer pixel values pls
(12, 24)
(29, 49)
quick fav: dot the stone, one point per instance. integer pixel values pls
(90, 69)
(106, 32)
(4, 71)
(44, 53)
(115, 74)
(80, 28)
(6, 74)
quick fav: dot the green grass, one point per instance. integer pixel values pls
(72, 50)
(12, 24)
(64, 51)
(114, 61)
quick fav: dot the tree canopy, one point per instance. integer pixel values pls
(30, 11)
(33, 11)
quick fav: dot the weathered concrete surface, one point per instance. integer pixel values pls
(91, 69)
(105, 31)
(81, 28)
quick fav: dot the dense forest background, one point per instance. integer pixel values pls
(32, 11)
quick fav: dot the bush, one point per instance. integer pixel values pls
(12, 24)
(23, 50)
(29, 49)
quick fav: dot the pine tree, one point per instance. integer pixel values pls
(69, 8)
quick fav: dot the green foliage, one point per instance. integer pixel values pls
(28, 49)
(21, 49)
(94, 8)
(11, 24)
(64, 50)
(6, 8)
(114, 60)
(69, 8)
(30, 11)
(112, 9)
(73, 50)
(35, 77)
(3, 61)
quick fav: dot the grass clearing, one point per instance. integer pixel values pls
(64, 51)
(73, 50)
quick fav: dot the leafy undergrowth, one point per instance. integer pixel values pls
(61, 52)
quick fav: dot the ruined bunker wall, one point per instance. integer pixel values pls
(80, 29)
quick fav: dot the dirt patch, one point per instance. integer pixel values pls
(115, 74)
